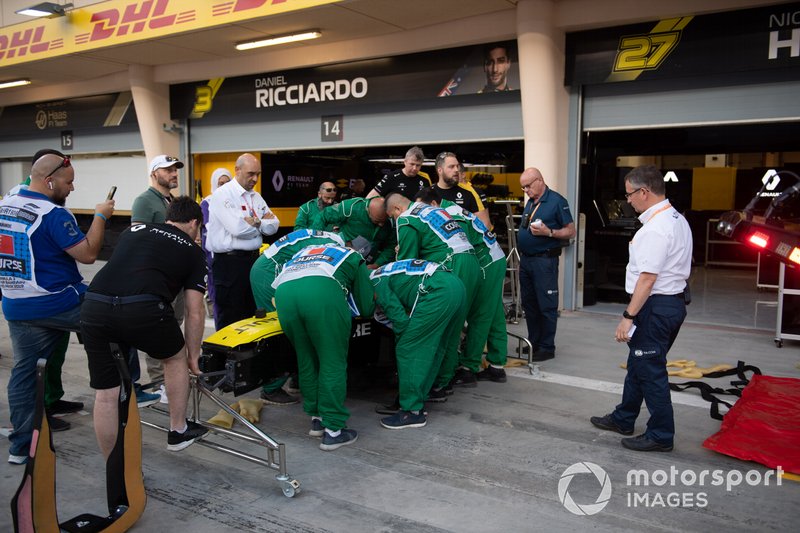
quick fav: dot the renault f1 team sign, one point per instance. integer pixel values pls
(763, 39)
(125, 21)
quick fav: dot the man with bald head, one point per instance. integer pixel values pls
(40, 243)
(238, 217)
(309, 211)
(362, 224)
(545, 228)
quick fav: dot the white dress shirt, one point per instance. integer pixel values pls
(227, 230)
(662, 246)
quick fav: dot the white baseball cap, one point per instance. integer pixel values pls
(164, 161)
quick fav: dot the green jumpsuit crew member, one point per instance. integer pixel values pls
(430, 233)
(311, 294)
(269, 263)
(263, 273)
(310, 210)
(362, 225)
(488, 326)
(420, 298)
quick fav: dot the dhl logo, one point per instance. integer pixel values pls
(119, 21)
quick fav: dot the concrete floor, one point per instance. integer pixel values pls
(490, 459)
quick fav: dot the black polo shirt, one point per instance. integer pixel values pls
(398, 182)
(463, 195)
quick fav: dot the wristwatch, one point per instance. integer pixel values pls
(626, 314)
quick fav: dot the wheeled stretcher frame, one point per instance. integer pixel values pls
(275, 451)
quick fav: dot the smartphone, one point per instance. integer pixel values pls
(111, 193)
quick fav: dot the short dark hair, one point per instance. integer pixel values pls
(647, 177)
(43, 152)
(428, 195)
(442, 156)
(487, 49)
(183, 209)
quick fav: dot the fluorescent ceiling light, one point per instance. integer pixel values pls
(45, 9)
(14, 83)
(282, 39)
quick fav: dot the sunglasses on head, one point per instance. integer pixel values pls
(65, 163)
(329, 189)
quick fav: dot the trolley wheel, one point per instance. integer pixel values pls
(779, 343)
(290, 488)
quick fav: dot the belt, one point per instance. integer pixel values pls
(552, 252)
(122, 300)
(239, 253)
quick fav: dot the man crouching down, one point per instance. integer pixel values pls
(128, 303)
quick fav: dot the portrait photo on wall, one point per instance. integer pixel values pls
(487, 68)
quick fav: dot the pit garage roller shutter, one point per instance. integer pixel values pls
(638, 105)
(488, 122)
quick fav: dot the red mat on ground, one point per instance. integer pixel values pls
(764, 424)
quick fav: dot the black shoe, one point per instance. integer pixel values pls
(490, 373)
(437, 395)
(293, 384)
(316, 428)
(607, 423)
(641, 443)
(63, 407)
(405, 419)
(541, 355)
(279, 397)
(389, 409)
(347, 436)
(57, 424)
(448, 389)
(178, 441)
(465, 378)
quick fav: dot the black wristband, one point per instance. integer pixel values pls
(627, 315)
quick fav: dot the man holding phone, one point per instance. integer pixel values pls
(42, 287)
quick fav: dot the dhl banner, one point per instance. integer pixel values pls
(118, 22)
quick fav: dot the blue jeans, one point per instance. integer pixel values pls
(32, 340)
(538, 279)
(657, 326)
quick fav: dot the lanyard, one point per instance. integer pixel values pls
(659, 212)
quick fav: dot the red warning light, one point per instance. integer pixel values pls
(758, 239)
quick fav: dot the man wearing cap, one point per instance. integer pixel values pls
(42, 287)
(151, 207)
(238, 217)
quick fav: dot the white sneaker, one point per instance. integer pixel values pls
(17, 459)
(163, 392)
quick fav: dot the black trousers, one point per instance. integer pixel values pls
(234, 297)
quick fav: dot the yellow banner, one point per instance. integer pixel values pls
(126, 21)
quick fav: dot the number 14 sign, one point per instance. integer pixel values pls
(332, 128)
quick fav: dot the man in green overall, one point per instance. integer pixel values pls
(311, 295)
(487, 327)
(420, 299)
(430, 233)
(362, 225)
(263, 273)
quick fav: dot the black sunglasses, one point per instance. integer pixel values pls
(65, 163)
(327, 189)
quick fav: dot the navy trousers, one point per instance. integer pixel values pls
(657, 326)
(538, 279)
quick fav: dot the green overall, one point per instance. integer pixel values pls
(313, 311)
(487, 326)
(420, 298)
(269, 264)
(354, 225)
(430, 233)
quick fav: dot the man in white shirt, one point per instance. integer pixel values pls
(237, 219)
(656, 278)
